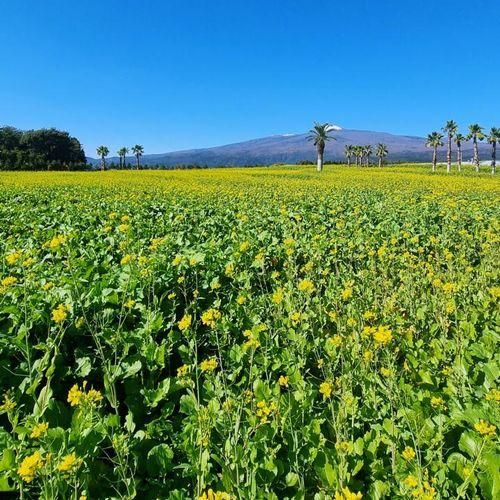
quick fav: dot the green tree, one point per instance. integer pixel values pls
(450, 129)
(319, 136)
(122, 153)
(459, 138)
(102, 151)
(367, 152)
(381, 152)
(493, 139)
(476, 134)
(434, 141)
(138, 151)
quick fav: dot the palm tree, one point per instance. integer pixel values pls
(359, 153)
(451, 129)
(367, 152)
(122, 153)
(459, 138)
(434, 140)
(138, 150)
(476, 134)
(102, 151)
(349, 151)
(319, 136)
(381, 152)
(493, 139)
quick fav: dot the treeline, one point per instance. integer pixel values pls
(43, 149)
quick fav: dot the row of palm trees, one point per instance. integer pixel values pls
(362, 154)
(137, 151)
(476, 134)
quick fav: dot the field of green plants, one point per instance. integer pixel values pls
(249, 334)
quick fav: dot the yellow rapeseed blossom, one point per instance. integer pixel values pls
(12, 258)
(39, 430)
(382, 335)
(346, 293)
(55, 242)
(306, 286)
(493, 395)
(410, 481)
(277, 297)
(9, 281)
(210, 317)
(283, 381)
(208, 365)
(69, 463)
(347, 494)
(78, 397)
(30, 466)
(185, 322)
(244, 246)
(326, 389)
(8, 404)
(265, 410)
(485, 428)
(123, 228)
(182, 370)
(214, 495)
(60, 313)
(408, 453)
(126, 259)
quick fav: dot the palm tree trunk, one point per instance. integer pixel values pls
(319, 166)
(448, 155)
(459, 157)
(138, 165)
(476, 154)
(434, 159)
(494, 158)
(348, 161)
(379, 161)
(103, 163)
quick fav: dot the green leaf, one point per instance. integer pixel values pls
(160, 459)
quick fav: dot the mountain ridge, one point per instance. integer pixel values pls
(291, 148)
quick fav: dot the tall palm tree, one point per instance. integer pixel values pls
(367, 151)
(138, 150)
(348, 152)
(450, 129)
(434, 140)
(381, 152)
(359, 153)
(459, 138)
(493, 139)
(476, 134)
(319, 136)
(102, 151)
(122, 153)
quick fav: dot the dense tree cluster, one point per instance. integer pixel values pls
(43, 149)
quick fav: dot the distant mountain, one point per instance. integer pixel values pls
(291, 148)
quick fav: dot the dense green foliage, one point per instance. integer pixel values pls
(44, 149)
(266, 333)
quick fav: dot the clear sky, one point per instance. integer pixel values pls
(179, 74)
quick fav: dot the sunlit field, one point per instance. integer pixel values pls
(265, 333)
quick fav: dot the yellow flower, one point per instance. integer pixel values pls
(277, 297)
(437, 402)
(449, 288)
(306, 286)
(283, 381)
(208, 365)
(48, 286)
(127, 259)
(410, 481)
(29, 262)
(344, 446)
(493, 395)
(214, 495)
(351, 322)
(123, 228)
(296, 317)
(264, 410)
(69, 463)
(346, 293)
(495, 292)
(210, 317)
(484, 428)
(60, 313)
(244, 246)
(326, 389)
(336, 340)
(13, 257)
(347, 494)
(29, 466)
(129, 303)
(367, 356)
(408, 453)
(8, 281)
(241, 299)
(185, 322)
(8, 404)
(125, 218)
(78, 397)
(182, 370)
(386, 372)
(382, 335)
(229, 270)
(55, 242)
(39, 430)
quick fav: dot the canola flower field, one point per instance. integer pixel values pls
(266, 333)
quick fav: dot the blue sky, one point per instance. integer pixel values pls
(179, 74)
